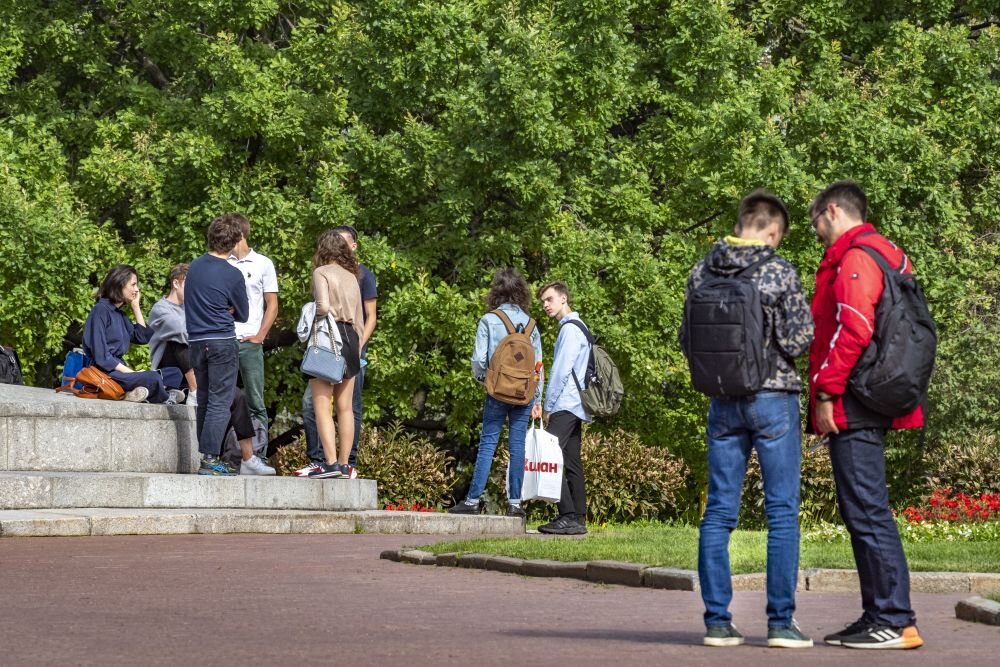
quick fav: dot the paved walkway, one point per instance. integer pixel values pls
(298, 599)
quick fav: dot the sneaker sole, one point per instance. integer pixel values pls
(789, 643)
(326, 475)
(902, 643)
(722, 641)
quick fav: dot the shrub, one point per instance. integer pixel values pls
(626, 480)
(818, 492)
(967, 464)
(409, 469)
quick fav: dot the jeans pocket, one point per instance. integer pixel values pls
(774, 415)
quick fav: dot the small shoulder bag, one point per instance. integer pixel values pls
(322, 362)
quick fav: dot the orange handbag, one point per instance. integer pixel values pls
(96, 384)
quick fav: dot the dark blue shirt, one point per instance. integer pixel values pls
(108, 333)
(212, 287)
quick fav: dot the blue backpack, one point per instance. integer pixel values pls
(76, 361)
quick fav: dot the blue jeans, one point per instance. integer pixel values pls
(858, 461)
(495, 413)
(216, 363)
(314, 448)
(768, 422)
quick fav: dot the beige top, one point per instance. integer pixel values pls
(337, 292)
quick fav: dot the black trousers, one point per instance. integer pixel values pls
(178, 355)
(567, 427)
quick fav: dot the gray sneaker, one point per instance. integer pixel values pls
(175, 397)
(137, 395)
(722, 635)
(787, 637)
(254, 466)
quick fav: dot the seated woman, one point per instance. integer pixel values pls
(168, 348)
(108, 333)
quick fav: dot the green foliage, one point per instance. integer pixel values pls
(409, 469)
(626, 480)
(605, 143)
(818, 494)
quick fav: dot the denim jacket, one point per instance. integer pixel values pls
(490, 331)
(572, 354)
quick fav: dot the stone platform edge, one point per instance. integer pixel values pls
(636, 574)
(184, 521)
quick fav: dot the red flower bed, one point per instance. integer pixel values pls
(412, 507)
(943, 506)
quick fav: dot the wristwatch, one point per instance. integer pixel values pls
(824, 397)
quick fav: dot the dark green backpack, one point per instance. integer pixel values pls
(602, 389)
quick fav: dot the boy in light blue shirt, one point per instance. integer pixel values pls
(564, 411)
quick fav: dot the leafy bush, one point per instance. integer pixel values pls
(818, 493)
(409, 469)
(967, 465)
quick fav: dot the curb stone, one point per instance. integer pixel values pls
(667, 578)
(390, 554)
(417, 557)
(615, 572)
(978, 610)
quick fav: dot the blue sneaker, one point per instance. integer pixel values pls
(216, 467)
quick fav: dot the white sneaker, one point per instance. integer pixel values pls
(175, 397)
(192, 398)
(137, 395)
(304, 472)
(254, 466)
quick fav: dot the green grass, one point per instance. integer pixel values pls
(677, 546)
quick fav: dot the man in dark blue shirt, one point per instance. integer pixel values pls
(215, 297)
(369, 300)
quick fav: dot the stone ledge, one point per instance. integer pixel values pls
(669, 578)
(615, 572)
(978, 610)
(146, 521)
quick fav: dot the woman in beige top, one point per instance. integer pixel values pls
(337, 293)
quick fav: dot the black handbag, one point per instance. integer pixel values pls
(322, 362)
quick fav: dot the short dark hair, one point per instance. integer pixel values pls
(508, 286)
(557, 285)
(225, 232)
(848, 195)
(178, 272)
(113, 285)
(759, 209)
(347, 229)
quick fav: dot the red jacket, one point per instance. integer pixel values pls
(848, 288)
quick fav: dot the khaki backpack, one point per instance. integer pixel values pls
(511, 376)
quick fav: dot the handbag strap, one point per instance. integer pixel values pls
(334, 333)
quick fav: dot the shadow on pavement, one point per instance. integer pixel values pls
(639, 637)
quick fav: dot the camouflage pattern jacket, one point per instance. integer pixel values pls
(788, 322)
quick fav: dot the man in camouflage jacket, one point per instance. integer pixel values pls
(767, 421)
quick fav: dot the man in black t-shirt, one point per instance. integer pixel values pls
(369, 300)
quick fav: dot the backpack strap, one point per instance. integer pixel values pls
(506, 321)
(750, 269)
(879, 258)
(591, 340)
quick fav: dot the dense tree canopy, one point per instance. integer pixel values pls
(602, 142)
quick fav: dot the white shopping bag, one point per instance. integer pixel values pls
(543, 466)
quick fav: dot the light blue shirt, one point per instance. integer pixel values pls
(491, 330)
(572, 354)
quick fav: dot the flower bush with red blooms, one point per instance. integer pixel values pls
(412, 507)
(945, 506)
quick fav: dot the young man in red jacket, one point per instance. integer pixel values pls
(848, 289)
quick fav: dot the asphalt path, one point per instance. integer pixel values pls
(328, 599)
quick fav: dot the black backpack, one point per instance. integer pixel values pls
(723, 334)
(10, 366)
(893, 373)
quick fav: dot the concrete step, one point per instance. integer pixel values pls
(118, 521)
(43, 430)
(49, 490)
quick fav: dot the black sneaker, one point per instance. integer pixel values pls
(854, 628)
(516, 510)
(884, 636)
(564, 525)
(465, 507)
(326, 471)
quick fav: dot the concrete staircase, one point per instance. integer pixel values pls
(71, 466)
